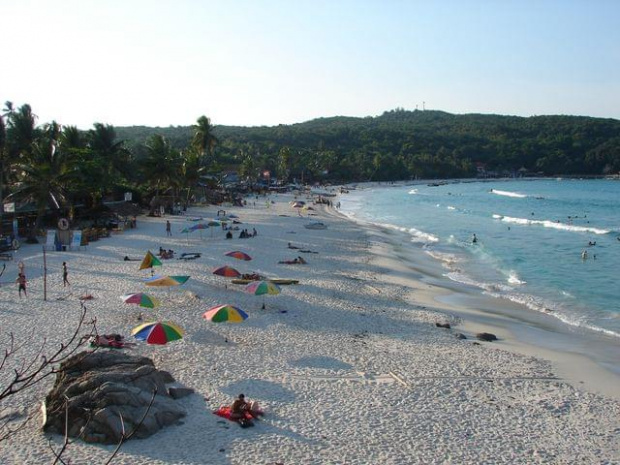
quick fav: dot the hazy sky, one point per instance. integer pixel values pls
(161, 63)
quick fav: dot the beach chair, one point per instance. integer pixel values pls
(76, 240)
(50, 241)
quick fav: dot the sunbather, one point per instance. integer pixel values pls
(240, 410)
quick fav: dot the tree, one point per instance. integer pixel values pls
(44, 174)
(110, 159)
(162, 165)
(282, 166)
(204, 141)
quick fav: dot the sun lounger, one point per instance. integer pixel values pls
(190, 256)
(50, 240)
(76, 240)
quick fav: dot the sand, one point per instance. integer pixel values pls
(348, 364)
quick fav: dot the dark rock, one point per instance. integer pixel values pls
(443, 325)
(179, 392)
(460, 336)
(96, 388)
(486, 337)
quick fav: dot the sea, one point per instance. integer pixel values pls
(552, 245)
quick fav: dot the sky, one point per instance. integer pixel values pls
(269, 62)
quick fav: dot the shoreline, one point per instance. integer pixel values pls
(348, 364)
(520, 329)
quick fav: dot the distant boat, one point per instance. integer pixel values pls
(315, 225)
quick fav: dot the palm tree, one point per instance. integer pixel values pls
(190, 172)
(45, 175)
(204, 141)
(162, 165)
(109, 155)
(22, 130)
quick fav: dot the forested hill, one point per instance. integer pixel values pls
(402, 144)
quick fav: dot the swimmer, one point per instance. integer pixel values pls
(584, 254)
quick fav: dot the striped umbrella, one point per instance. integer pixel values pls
(262, 288)
(157, 332)
(141, 299)
(166, 281)
(223, 313)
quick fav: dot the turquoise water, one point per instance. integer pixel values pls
(531, 238)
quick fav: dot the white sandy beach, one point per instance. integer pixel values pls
(348, 364)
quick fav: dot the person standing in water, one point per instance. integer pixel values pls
(65, 274)
(474, 239)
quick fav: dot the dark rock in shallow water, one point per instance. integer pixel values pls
(443, 325)
(96, 388)
(486, 337)
(460, 336)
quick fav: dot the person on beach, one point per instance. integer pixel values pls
(21, 284)
(240, 408)
(168, 228)
(65, 274)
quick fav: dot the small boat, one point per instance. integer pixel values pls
(315, 225)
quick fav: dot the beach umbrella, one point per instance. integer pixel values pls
(149, 261)
(214, 223)
(200, 227)
(141, 299)
(195, 219)
(157, 332)
(262, 288)
(166, 281)
(298, 205)
(226, 271)
(223, 313)
(238, 255)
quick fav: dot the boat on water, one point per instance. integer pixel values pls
(315, 225)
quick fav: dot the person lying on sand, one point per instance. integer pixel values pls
(308, 251)
(127, 259)
(292, 246)
(296, 261)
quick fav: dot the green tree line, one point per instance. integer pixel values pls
(58, 167)
(404, 144)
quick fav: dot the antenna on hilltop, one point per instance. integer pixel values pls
(423, 106)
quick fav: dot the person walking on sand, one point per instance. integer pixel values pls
(65, 273)
(168, 229)
(21, 284)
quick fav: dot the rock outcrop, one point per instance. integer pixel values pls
(97, 388)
